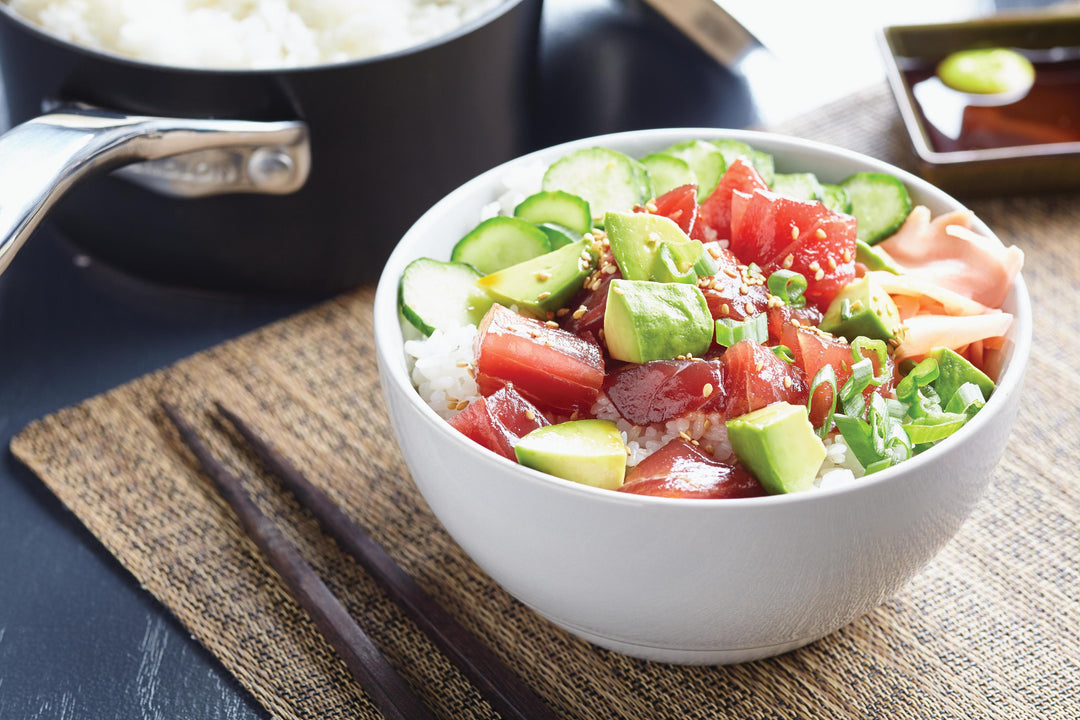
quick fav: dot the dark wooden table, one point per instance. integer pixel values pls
(78, 637)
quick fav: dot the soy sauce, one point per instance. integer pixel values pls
(1048, 113)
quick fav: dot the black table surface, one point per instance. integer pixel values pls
(78, 637)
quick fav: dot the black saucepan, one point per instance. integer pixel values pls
(294, 180)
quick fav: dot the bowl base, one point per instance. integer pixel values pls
(678, 656)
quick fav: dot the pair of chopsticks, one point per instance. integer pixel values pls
(390, 693)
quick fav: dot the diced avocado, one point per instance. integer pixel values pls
(953, 371)
(545, 283)
(875, 258)
(778, 446)
(862, 308)
(637, 240)
(800, 186)
(656, 321)
(705, 159)
(590, 452)
(667, 172)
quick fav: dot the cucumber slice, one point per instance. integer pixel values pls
(800, 186)
(556, 206)
(500, 242)
(436, 295)
(836, 198)
(705, 159)
(643, 180)
(879, 202)
(604, 178)
(560, 235)
(762, 162)
(667, 172)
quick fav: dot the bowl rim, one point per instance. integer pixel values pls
(40, 33)
(386, 326)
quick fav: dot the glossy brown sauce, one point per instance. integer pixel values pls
(1049, 113)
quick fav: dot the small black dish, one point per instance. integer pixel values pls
(974, 147)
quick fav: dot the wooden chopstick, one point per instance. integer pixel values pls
(387, 689)
(504, 690)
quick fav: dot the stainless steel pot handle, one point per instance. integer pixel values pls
(42, 158)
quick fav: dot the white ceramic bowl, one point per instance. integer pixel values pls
(690, 581)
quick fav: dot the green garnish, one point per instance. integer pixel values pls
(729, 332)
(788, 286)
(824, 376)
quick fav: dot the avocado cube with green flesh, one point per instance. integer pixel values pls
(545, 283)
(779, 447)
(862, 308)
(590, 452)
(875, 258)
(656, 321)
(953, 371)
(652, 247)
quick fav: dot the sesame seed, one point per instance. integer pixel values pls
(462, 405)
(530, 414)
(707, 390)
(709, 449)
(462, 364)
(562, 312)
(552, 324)
(794, 232)
(725, 309)
(749, 308)
(731, 272)
(787, 382)
(832, 263)
(820, 234)
(579, 312)
(815, 266)
(846, 255)
(589, 237)
(574, 415)
(758, 366)
(543, 275)
(743, 290)
(705, 425)
(695, 443)
(609, 269)
(684, 435)
(618, 290)
(651, 206)
(714, 252)
(819, 274)
(544, 295)
(788, 261)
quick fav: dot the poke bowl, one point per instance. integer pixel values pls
(679, 578)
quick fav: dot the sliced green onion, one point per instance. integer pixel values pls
(858, 437)
(895, 409)
(880, 350)
(878, 465)
(788, 286)
(753, 269)
(919, 376)
(825, 375)
(784, 353)
(932, 428)
(967, 400)
(729, 332)
(851, 394)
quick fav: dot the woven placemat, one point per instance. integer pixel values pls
(988, 630)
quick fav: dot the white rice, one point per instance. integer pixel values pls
(440, 367)
(520, 182)
(250, 34)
